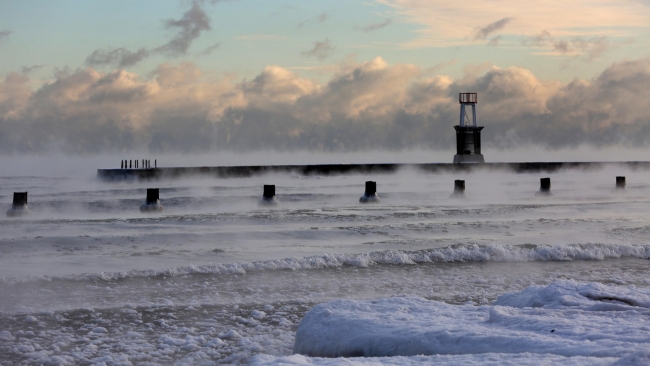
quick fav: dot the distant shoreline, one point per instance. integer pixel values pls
(341, 169)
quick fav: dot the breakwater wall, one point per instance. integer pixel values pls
(337, 169)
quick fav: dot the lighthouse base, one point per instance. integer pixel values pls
(469, 159)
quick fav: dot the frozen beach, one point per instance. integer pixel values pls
(88, 279)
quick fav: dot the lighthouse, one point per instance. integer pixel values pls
(468, 133)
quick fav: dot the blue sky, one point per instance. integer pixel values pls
(253, 34)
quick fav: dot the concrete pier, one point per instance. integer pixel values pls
(341, 169)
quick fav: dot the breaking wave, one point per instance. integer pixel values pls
(454, 253)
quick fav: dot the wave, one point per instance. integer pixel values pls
(454, 253)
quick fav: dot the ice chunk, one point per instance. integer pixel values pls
(31, 319)
(6, 336)
(231, 334)
(561, 294)
(570, 319)
(256, 314)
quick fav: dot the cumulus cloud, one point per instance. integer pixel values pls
(480, 33)
(276, 85)
(321, 50)
(365, 105)
(376, 26)
(14, 94)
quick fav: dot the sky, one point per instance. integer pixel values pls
(89, 77)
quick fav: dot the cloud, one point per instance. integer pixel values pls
(208, 50)
(589, 48)
(443, 23)
(376, 26)
(14, 95)
(29, 69)
(4, 34)
(120, 57)
(364, 105)
(321, 50)
(189, 28)
(261, 37)
(317, 20)
(480, 33)
(440, 66)
(494, 41)
(276, 85)
(372, 88)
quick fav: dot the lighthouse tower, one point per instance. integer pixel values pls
(468, 133)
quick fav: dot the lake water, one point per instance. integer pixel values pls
(215, 278)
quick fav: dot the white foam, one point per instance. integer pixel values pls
(458, 253)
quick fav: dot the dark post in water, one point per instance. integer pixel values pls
(459, 188)
(269, 191)
(152, 203)
(370, 194)
(620, 182)
(544, 187)
(19, 205)
(153, 195)
(20, 199)
(268, 196)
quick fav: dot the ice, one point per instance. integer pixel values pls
(229, 335)
(216, 279)
(256, 314)
(563, 294)
(485, 359)
(564, 318)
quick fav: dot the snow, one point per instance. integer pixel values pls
(565, 318)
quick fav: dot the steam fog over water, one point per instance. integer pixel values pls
(87, 278)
